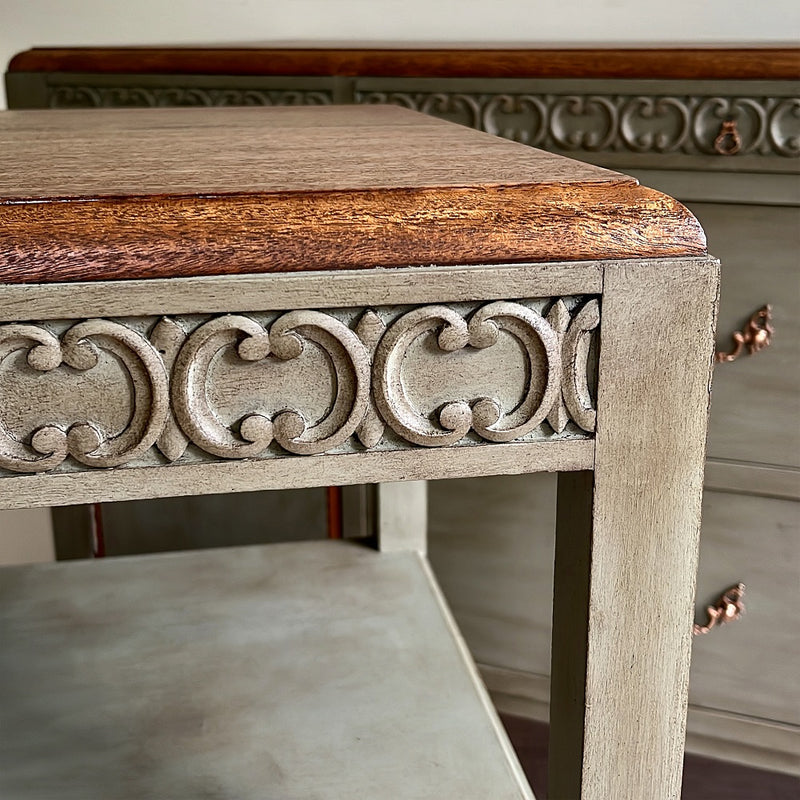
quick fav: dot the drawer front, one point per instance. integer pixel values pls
(720, 124)
(491, 545)
(755, 404)
(717, 125)
(750, 666)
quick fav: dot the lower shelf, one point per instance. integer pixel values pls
(319, 669)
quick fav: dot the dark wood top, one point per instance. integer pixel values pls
(131, 193)
(714, 63)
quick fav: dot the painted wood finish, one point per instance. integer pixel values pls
(273, 292)
(639, 541)
(518, 347)
(345, 469)
(691, 281)
(633, 409)
(402, 516)
(742, 691)
(190, 390)
(756, 401)
(396, 189)
(743, 711)
(681, 63)
(754, 538)
(174, 676)
(499, 585)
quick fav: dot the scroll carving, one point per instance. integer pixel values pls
(483, 414)
(503, 114)
(284, 341)
(78, 349)
(370, 328)
(590, 122)
(654, 124)
(559, 319)
(783, 125)
(107, 393)
(168, 338)
(575, 399)
(572, 126)
(575, 376)
(641, 123)
(72, 96)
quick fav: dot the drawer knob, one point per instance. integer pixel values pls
(728, 141)
(728, 608)
(755, 336)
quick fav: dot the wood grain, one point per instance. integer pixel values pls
(68, 488)
(653, 396)
(276, 291)
(118, 153)
(725, 63)
(120, 194)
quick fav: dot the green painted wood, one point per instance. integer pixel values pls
(622, 124)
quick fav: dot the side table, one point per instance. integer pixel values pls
(207, 300)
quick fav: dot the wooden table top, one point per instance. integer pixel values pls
(132, 193)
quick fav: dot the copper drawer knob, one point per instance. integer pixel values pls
(728, 141)
(728, 608)
(755, 336)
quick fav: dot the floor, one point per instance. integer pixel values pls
(703, 778)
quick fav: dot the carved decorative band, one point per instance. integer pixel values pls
(611, 123)
(79, 349)
(590, 122)
(103, 393)
(164, 96)
(484, 414)
(285, 340)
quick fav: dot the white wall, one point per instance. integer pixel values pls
(28, 23)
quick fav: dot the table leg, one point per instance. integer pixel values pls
(402, 516)
(627, 540)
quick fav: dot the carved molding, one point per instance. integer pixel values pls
(168, 338)
(75, 96)
(79, 350)
(591, 122)
(303, 382)
(285, 340)
(616, 123)
(484, 415)
(370, 329)
(575, 399)
(575, 376)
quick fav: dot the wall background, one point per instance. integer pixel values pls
(30, 23)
